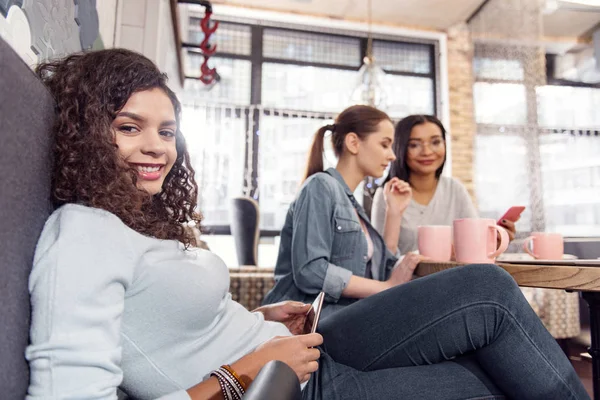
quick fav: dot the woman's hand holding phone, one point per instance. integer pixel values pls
(291, 313)
(508, 220)
(298, 352)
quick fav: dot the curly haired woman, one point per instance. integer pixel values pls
(121, 298)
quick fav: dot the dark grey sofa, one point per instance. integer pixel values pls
(26, 119)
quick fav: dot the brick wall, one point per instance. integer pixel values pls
(462, 113)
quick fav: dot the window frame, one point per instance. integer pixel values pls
(257, 60)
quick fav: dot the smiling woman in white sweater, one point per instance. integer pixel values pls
(120, 297)
(420, 149)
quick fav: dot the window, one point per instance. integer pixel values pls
(403, 57)
(502, 178)
(230, 38)
(311, 47)
(234, 87)
(284, 143)
(250, 134)
(500, 103)
(498, 69)
(406, 95)
(553, 167)
(571, 181)
(215, 137)
(565, 106)
(296, 87)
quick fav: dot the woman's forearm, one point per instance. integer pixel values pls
(209, 389)
(246, 367)
(391, 230)
(360, 288)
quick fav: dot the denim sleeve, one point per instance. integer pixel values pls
(312, 240)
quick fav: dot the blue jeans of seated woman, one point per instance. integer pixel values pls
(465, 333)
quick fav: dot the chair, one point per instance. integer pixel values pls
(275, 381)
(27, 116)
(245, 220)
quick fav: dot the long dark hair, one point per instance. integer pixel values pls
(399, 167)
(359, 119)
(89, 90)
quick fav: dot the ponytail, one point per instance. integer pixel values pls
(360, 119)
(314, 163)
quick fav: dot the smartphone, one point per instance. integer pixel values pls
(313, 314)
(512, 214)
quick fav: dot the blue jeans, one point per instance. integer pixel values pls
(465, 333)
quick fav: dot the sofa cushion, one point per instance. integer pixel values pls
(26, 119)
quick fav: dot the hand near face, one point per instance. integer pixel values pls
(397, 195)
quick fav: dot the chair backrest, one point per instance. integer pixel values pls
(584, 248)
(276, 380)
(26, 118)
(245, 220)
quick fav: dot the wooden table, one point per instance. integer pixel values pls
(561, 275)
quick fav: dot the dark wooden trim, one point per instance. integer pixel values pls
(432, 70)
(255, 99)
(202, 3)
(194, 48)
(477, 11)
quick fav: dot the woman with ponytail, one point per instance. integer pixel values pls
(327, 241)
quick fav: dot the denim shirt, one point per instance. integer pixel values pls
(323, 245)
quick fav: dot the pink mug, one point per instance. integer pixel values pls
(475, 240)
(435, 242)
(546, 246)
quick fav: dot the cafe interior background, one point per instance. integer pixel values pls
(516, 82)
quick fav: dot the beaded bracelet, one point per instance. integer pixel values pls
(236, 376)
(232, 387)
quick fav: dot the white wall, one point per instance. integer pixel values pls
(167, 51)
(15, 30)
(145, 26)
(107, 18)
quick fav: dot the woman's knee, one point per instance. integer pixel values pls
(490, 276)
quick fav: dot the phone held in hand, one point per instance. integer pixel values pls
(512, 214)
(313, 314)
